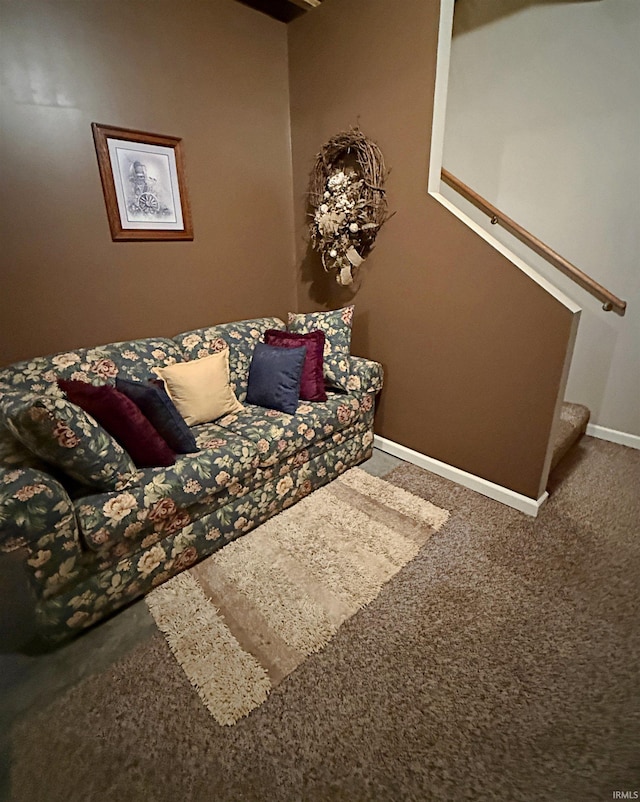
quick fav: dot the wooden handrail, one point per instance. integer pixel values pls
(609, 300)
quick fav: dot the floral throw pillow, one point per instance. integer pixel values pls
(336, 326)
(63, 435)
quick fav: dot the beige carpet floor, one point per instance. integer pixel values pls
(242, 620)
(501, 663)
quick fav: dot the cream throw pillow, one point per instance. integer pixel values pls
(200, 388)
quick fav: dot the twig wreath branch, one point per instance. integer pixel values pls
(346, 192)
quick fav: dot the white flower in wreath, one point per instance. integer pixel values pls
(324, 208)
(353, 228)
(338, 179)
(329, 224)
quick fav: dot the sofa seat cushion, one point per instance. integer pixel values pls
(167, 499)
(278, 435)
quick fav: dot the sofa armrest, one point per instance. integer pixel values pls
(370, 373)
(355, 374)
(36, 514)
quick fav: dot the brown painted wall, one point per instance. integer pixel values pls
(213, 73)
(473, 349)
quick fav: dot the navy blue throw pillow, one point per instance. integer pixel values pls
(274, 377)
(159, 409)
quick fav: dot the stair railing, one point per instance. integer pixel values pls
(610, 301)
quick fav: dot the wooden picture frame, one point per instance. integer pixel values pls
(143, 182)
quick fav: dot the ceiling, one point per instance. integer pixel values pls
(283, 10)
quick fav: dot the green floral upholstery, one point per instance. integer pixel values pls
(133, 576)
(37, 514)
(89, 550)
(24, 431)
(62, 434)
(278, 435)
(241, 338)
(167, 499)
(335, 324)
(13, 453)
(353, 374)
(360, 431)
(132, 360)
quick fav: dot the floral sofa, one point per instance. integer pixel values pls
(88, 551)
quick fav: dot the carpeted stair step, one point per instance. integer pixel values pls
(573, 424)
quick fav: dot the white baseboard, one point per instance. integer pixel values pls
(529, 506)
(614, 436)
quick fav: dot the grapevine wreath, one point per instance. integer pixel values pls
(349, 201)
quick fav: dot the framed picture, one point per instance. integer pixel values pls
(143, 184)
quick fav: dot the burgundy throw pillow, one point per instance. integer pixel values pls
(122, 419)
(312, 381)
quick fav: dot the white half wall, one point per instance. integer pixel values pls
(543, 119)
(529, 506)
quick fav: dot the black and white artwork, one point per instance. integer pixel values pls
(146, 184)
(143, 183)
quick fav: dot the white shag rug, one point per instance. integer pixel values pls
(247, 616)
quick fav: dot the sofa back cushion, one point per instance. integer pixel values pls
(98, 365)
(133, 359)
(240, 338)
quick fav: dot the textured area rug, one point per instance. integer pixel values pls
(245, 618)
